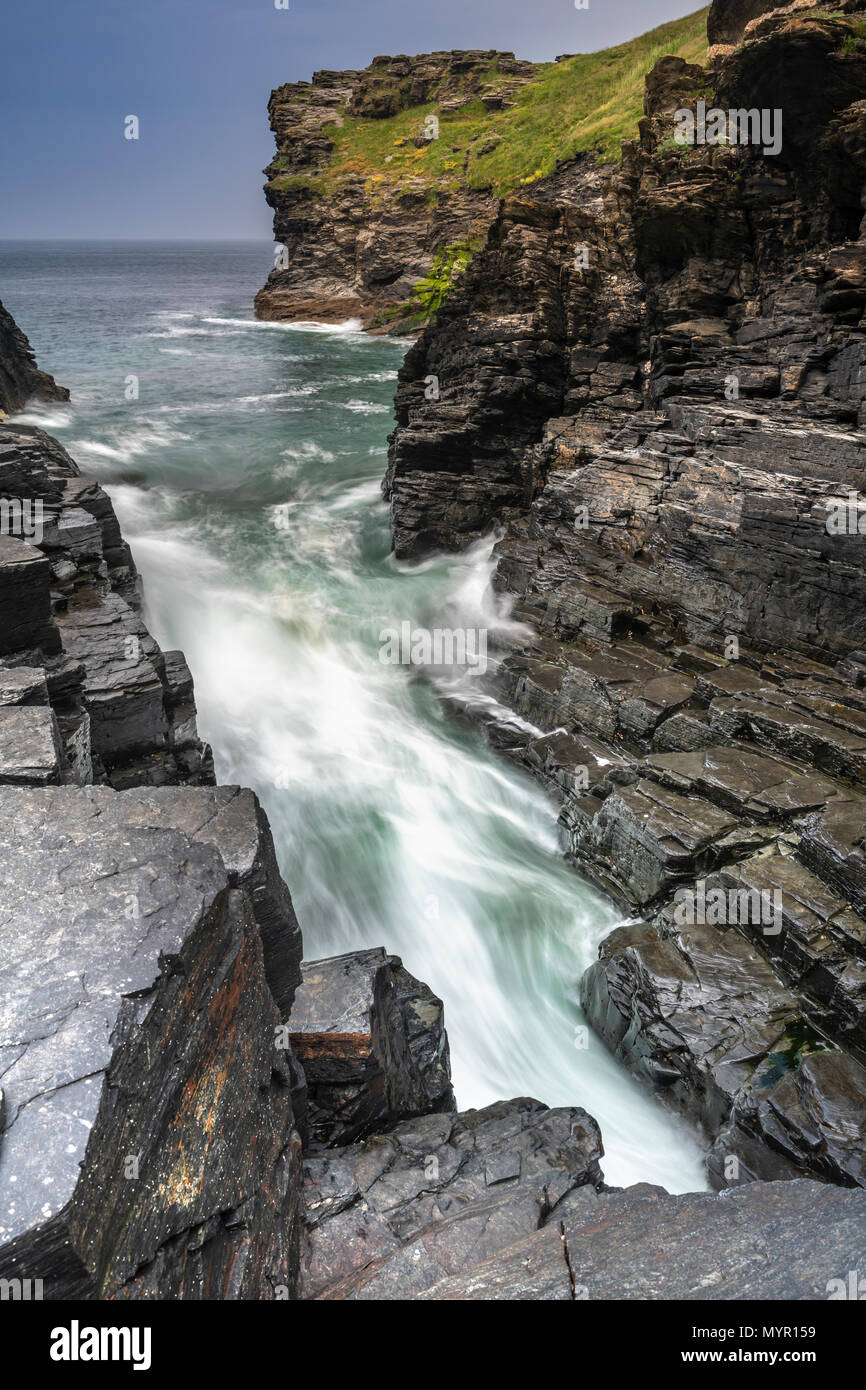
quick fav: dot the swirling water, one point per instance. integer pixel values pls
(246, 477)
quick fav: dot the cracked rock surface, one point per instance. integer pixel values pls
(371, 1039)
(145, 1094)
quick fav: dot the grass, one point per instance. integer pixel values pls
(592, 101)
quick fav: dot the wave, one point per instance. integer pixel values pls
(365, 407)
(129, 444)
(371, 376)
(281, 395)
(308, 449)
(302, 325)
(47, 416)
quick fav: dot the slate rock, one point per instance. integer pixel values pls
(394, 1214)
(134, 971)
(372, 1042)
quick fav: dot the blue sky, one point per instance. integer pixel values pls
(197, 73)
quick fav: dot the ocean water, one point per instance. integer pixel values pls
(246, 475)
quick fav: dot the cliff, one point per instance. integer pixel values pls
(652, 383)
(20, 378)
(386, 179)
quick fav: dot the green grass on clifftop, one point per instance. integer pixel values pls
(589, 102)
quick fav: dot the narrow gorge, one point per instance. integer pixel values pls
(637, 371)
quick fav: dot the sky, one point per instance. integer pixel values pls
(197, 74)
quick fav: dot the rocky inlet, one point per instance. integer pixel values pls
(651, 384)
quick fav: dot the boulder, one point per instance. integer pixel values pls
(372, 1042)
(390, 1217)
(148, 1146)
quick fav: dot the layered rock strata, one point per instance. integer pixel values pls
(652, 380)
(372, 1042)
(355, 247)
(87, 694)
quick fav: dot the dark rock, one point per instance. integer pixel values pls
(390, 1217)
(70, 607)
(766, 1241)
(25, 604)
(699, 1014)
(811, 1121)
(20, 378)
(149, 1126)
(727, 19)
(30, 752)
(834, 847)
(372, 1042)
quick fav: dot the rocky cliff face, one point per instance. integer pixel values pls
(652, 380)
(355, 244)
(386, 179)
(20, 378)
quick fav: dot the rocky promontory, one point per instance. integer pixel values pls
(386, 178)
(20, 378)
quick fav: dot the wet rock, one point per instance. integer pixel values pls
(765, 1241)
(810, 1123)
(134, 971)
(20, 378)
(392, 1216)
(645, 839)
(812, 937)
(372, 1042)
(699, 1013)
(662, 1002)
(834, 847)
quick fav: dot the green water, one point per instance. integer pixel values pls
(246, 477)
